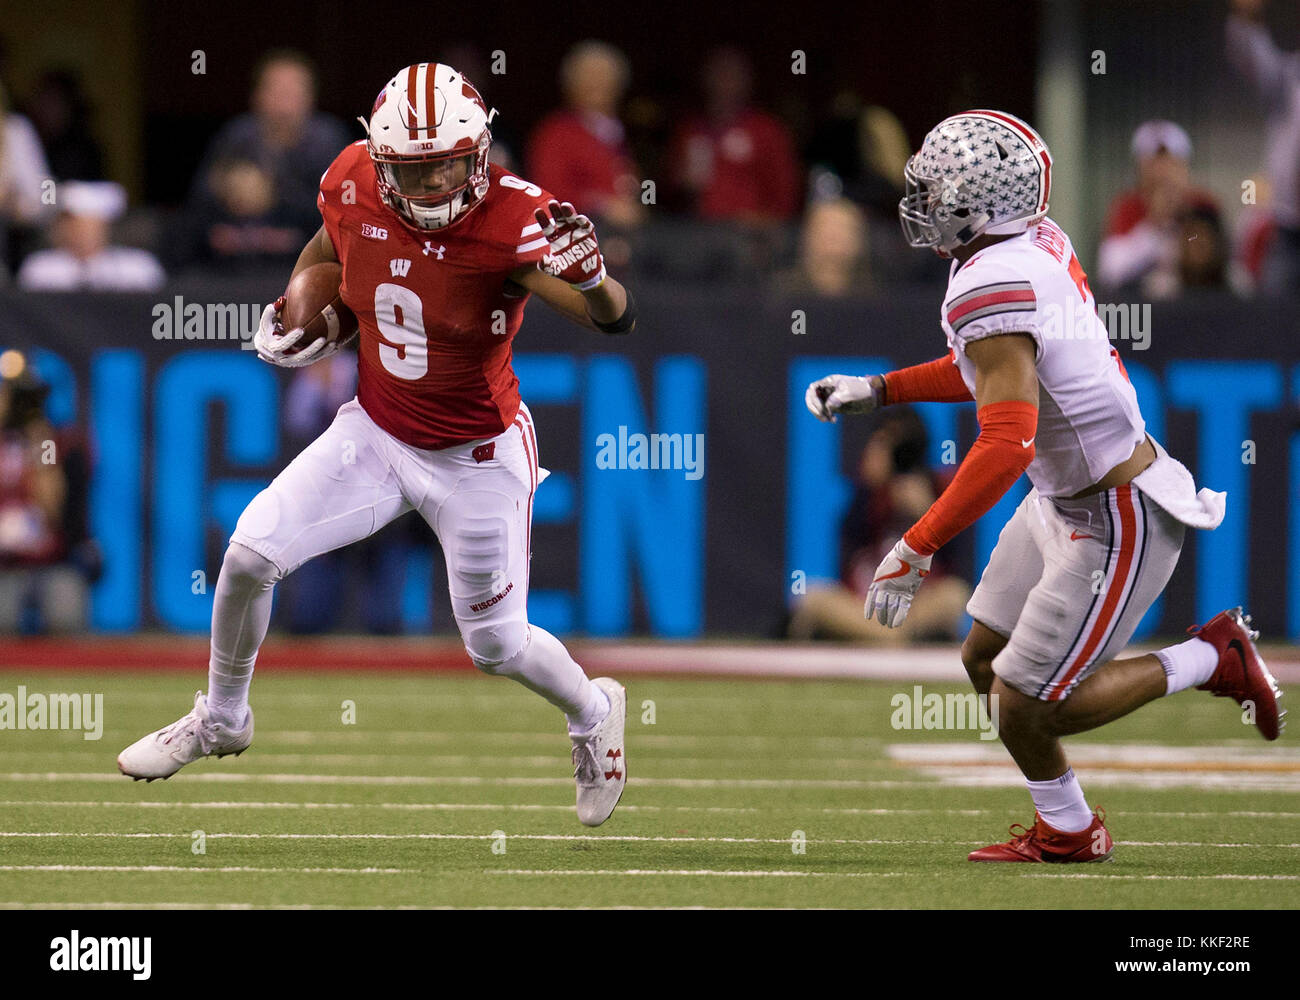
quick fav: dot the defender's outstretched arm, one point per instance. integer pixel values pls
(1006, 390)
(936, 381)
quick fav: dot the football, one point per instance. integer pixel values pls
(312, 301)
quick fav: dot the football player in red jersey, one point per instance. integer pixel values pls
(440, 252)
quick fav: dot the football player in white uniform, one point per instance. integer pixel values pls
(1098, 536)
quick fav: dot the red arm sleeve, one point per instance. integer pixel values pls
(996, 460)
(936, 381)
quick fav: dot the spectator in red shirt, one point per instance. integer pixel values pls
(734, 161)
(1144, 226)
(579, 152)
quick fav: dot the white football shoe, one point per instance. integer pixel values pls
(162, 754)
(599, 758)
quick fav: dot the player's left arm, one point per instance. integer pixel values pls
(1006, 394)
(571, 278)
(604, 303)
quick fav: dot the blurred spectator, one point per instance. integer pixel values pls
(23, 176)
(46, 559)
(60, 113)
(1275, 76)
(579, 152)
(894, 489)
(82, 258)
(1144, 226)
(254, 197)
(734, 161)
(317, 597)
(242, 227)
(864, 149)
(1203, 258)
(832, 251)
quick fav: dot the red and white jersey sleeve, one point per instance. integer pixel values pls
(1088, 416)
(436, 311)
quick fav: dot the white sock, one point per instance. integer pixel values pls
(1061, 804)
(545, 666)
(227, 695)
(593, 715)
(241, 612)
(1188, 664)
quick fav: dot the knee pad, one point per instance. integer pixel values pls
(493, 645)
(244, 569)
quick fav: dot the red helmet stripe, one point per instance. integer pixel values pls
(410, 110)
(1015, 123)
(431, 101)
(1035, 143)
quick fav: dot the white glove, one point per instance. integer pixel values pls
(897, 580)
(271, 344)
(840, 394)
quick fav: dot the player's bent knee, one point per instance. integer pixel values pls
(244, 569)
(495, 645)
(1021, 714)
(977, 652)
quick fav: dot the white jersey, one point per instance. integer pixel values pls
(1088, 417)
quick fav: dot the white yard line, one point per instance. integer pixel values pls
(694, 871)
(1166, 878)
(396, 806)
(624, 807)
(620, 838)
(225, 869)
(11, 905)
(238, 777)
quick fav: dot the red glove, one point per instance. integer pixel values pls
(574, 255)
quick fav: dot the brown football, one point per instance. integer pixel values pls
(312, 302)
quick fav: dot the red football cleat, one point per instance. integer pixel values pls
(1241, 674)
(1043, 843)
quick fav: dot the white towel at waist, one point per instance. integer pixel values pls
(1169, 484)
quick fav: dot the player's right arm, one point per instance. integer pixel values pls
(271, 343)
(936, 381)
(319, 250)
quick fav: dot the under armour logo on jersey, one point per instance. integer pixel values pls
(400, 267)
(430, 248)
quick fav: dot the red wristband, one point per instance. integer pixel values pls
(1003, 451)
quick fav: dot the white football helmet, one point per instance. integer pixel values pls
(429, 141)
(977, 172)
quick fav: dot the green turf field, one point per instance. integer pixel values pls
(455, 790)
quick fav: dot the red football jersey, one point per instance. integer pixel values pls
(435, 321)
